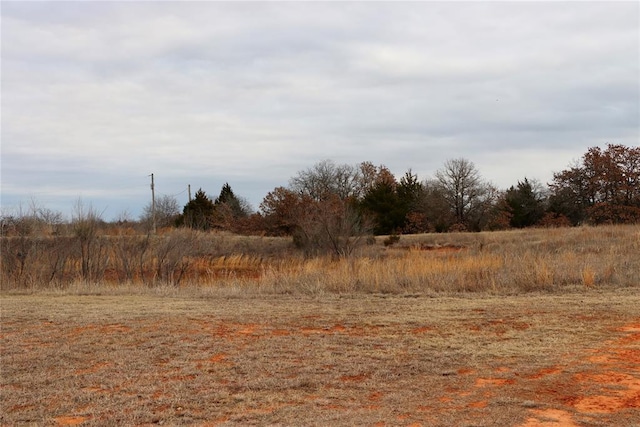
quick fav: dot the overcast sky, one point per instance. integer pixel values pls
(98, 95)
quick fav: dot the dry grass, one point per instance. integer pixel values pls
(161, 356)
(508, 262)
(516, 328)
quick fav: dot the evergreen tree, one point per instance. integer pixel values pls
(230, 211)
(409, 189)
(525, 203)
(383, 204)
(198, 212)
(227, 202)
(390, 202)
(226, 194)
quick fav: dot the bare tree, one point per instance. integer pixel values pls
(332, 226)
(167, 211)
(319, 209)
(432, 205)
(173, 255)
(85, 223)
(325, 179)
(466, 193)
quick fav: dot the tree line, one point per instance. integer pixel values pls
(332, 207)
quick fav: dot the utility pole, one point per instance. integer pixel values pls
(153, 205)
(189, 190)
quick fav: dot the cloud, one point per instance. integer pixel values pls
(97, 95)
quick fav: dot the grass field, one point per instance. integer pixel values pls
(517, 328)
(570, 359)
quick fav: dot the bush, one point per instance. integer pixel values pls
(391, 240)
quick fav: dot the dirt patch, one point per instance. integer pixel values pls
(70, 421)
(550, 418)
(370, 360)
(608, 382)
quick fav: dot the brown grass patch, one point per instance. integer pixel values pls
(507, 262)
(289, 360)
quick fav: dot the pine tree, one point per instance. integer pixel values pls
(227, 201)
(525, 204)
(199, 211)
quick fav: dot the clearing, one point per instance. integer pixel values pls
(569, 359)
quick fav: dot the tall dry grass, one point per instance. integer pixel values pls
(173, 258)
(504, 262)
(507, 262)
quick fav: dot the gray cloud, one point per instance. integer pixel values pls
(97, 95)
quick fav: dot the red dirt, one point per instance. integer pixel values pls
(550, 418)
(609, 383)
(489, 382)
(70, 421)
(218, 358)
(605, 380)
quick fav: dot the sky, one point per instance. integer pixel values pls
(96, 96)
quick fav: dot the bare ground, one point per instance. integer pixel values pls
(473, 360)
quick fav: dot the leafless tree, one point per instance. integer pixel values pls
(325, 179)
(318, 209)
(167, 211)
(466, 193)
(85, 224)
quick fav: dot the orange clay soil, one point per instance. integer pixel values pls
(606, 381)
(524, 361)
